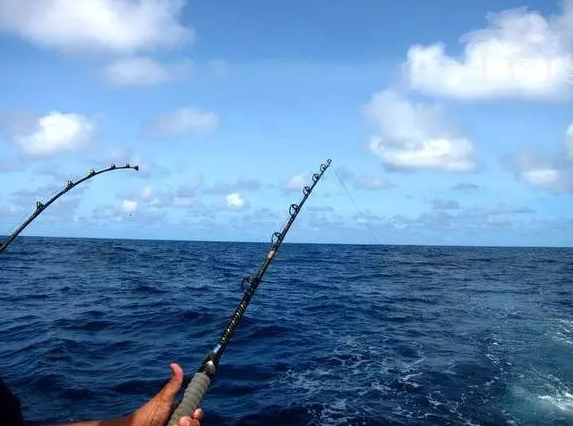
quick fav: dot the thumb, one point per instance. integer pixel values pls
(172, 387)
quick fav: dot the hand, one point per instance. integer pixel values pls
(158, 410)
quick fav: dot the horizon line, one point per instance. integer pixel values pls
(295, 242)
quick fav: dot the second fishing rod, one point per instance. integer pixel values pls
(201, 381)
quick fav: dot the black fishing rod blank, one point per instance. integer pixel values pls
(40, 207)
(201, 381)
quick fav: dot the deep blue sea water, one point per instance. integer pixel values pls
(336, 335)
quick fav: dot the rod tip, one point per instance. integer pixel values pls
(136, 168)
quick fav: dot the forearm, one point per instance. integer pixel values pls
(122, 421)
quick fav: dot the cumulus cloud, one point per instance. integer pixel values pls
(368, 183)
(520, 54)
(182, 121)
(52, 134)
(234, 200)
(129, 206)
(129, 213)
(24, 200)
(117, 26)
(27, 197)
(147, 167)
(417, 136)
(143, 71)
(251, 220)
(298, 182)
(147, 193)
(541, 172)
(150, 199)
(185, 196)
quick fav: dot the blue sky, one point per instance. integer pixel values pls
(449, 122)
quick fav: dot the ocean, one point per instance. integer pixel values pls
(336, 335)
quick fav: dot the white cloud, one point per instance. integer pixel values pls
(417, 136)
(298, 182)
(521, 54)
(369, 183)
(234, 200)
(183, 120)
(147, 166)
(53, 134)
(541, 172)
(147, 193)
(118, 26)
(569, 142)
(129, 206)
(143, 71)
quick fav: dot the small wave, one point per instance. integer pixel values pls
(137, 386)
(272, 331)
(189, 315)
(333, 414)
(123, 249)
(78, 393)
(150, 289)
(91, 325)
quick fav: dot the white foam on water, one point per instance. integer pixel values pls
(380, 387)
(306, 381)
(564, 332)
(407, 379)
(432, 398)
(334, 414)
(563, 401)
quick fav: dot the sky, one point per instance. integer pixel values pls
(449, 123)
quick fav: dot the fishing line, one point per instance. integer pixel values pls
(40, 207)
(358, 210)
(201, 381)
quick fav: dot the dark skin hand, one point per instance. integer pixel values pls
(156, 411)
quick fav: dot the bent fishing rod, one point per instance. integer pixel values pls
(40, 207)
(201, 381)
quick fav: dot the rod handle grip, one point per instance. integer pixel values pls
(192, 397)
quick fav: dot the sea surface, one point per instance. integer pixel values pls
(337, 334)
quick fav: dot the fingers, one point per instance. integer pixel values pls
(188, 421)
(192, 421)
(198, 414)
(172, 387)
